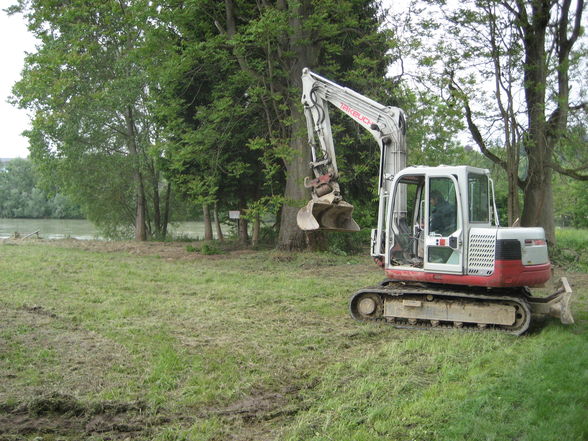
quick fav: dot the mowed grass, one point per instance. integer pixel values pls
(260, 346)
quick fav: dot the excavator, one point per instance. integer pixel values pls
(448, 262)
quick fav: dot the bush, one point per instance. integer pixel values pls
(210, 248)
(571, 251)
(344, 244)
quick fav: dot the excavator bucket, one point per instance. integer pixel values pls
(317, 215)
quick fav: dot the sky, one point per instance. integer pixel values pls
(15, 41)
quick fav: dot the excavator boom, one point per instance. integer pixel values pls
(327, 210)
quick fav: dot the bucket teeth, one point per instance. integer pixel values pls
(317, 215)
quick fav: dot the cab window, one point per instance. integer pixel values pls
(478, 198)
(442, 207)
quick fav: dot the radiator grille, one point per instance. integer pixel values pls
(481, 252)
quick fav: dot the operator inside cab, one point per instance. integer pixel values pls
(443, 215)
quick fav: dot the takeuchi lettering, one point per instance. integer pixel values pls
(354, 113)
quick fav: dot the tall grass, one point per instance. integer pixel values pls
(571, 251)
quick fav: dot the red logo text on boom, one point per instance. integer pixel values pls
(354, 113)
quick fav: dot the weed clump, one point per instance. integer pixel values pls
(571, 251)
(209, 249)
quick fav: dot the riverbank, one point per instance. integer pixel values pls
(151, 341)
(81, 229)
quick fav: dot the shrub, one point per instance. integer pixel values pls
(209, 248)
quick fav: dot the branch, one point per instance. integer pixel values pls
(475, 132)
(569, 42)
(572, 173)
(520, 14)
(230, 32)
(553, 118)
(581, 106)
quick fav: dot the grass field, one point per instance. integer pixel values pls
(151, 342)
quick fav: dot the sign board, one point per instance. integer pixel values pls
(234, 214)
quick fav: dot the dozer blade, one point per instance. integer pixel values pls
(326, 216)
(556, 305)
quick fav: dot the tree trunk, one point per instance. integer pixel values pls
(243, 234)
(166, 211)
(291, 237)
(513, 192)
(156, 202)
(207, 222)
(256, 228)
(538, 195)
(219, 231)
(538, 199)
(140, 226)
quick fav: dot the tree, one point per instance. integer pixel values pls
(88, 88)
(273, 43)
(208, 110)
(21, 196)
(527, 49)
(232, 96)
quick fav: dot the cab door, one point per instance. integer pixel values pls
(443, 225)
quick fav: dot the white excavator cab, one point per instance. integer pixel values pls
(430, 216)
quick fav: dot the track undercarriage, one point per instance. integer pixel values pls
(432, 306)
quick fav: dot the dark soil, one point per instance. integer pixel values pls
(62, 415)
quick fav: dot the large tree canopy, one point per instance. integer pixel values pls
(239, 131)
(508, 65)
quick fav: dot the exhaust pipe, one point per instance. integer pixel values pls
(556, 305)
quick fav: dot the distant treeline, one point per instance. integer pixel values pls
(24, 195)
(21, 196)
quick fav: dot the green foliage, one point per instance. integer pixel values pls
(571, 249)
(571, 202)
(209, 248)
(233, 104)
(344, 244)
(88, 88)
(21, 195)
(481, 56)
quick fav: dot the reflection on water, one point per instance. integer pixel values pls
(80, 229)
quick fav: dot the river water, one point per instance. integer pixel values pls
(80, 229)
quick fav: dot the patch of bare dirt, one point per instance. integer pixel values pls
(38, 396)
(255, 407)
(63, 415)
(260, 415)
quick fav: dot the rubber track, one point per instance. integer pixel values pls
(390, 288)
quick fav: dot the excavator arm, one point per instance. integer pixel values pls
(327, 210)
